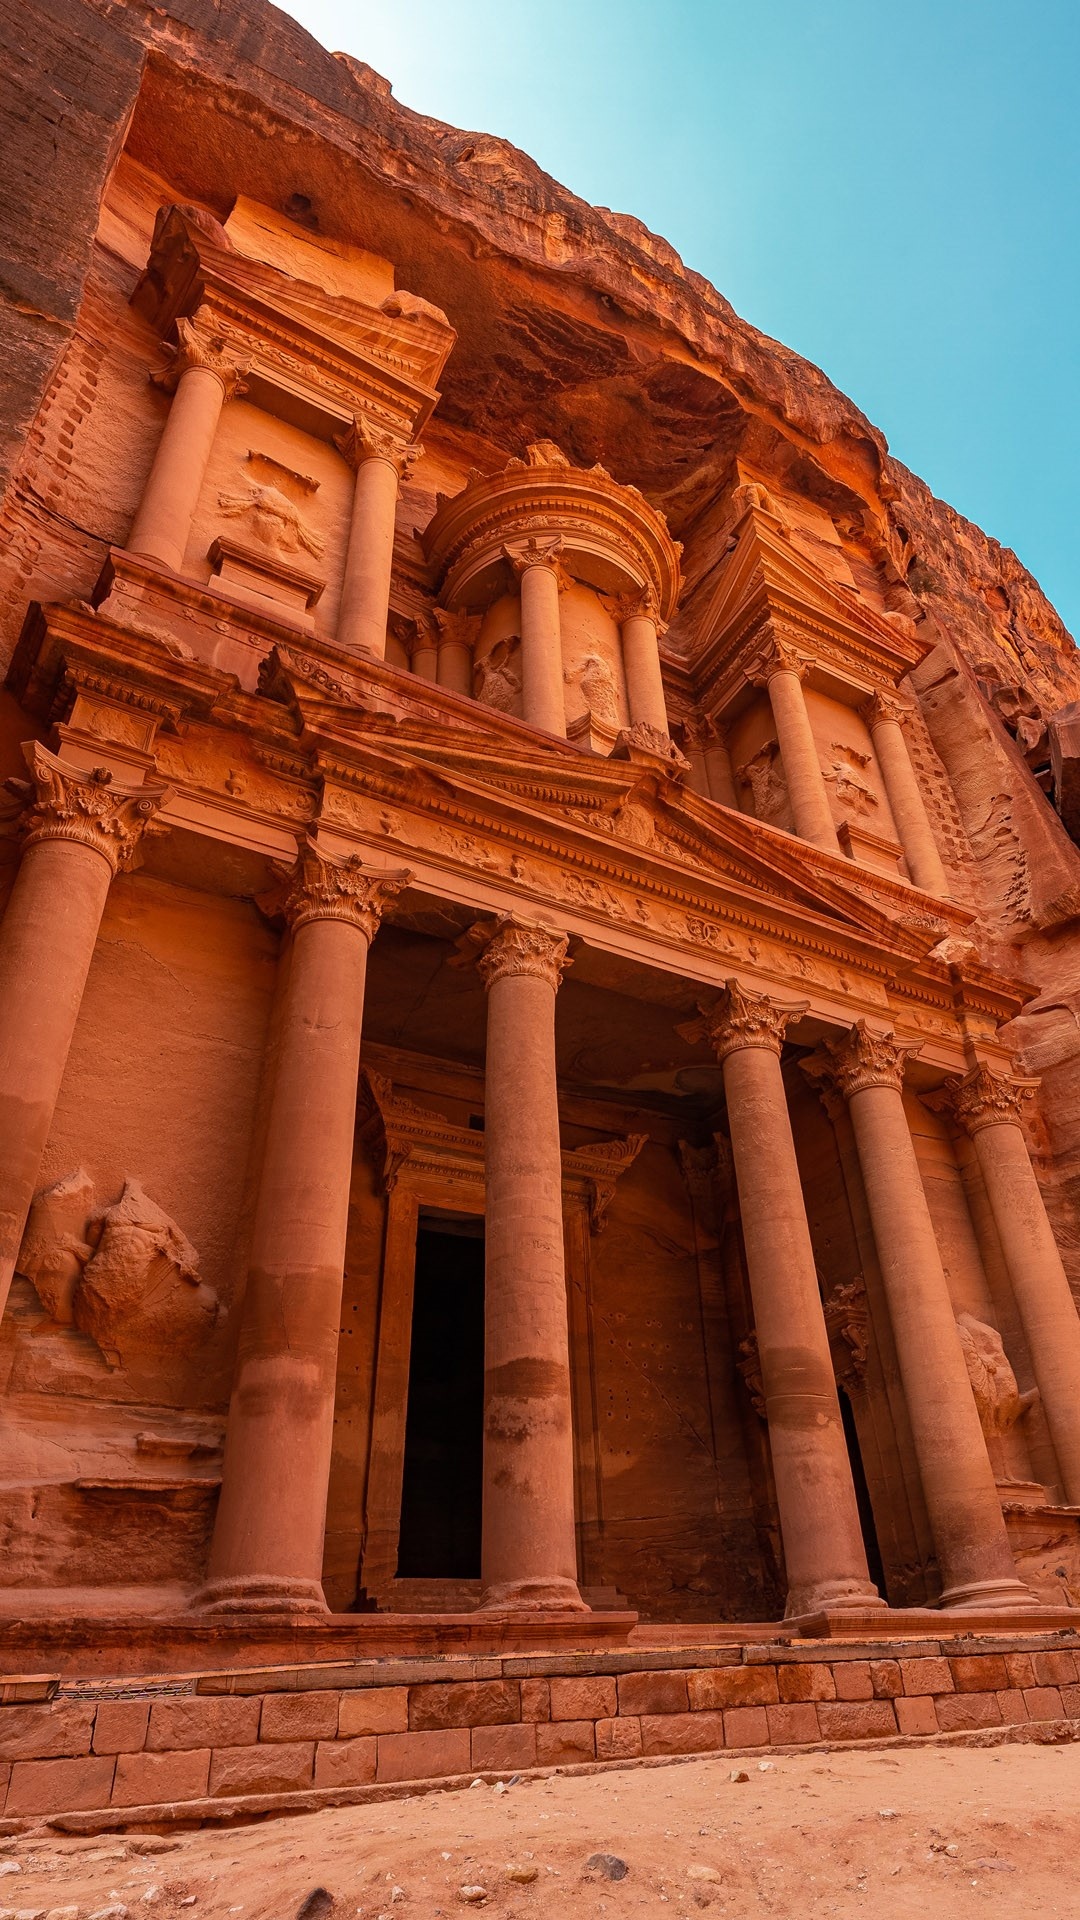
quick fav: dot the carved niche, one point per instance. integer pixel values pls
(128, 1277)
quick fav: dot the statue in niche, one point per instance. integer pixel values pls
(275, 522)
(497, 676)
(128, 1277)
(993, 1384)
(597, 683)
(846, 774)
(763, 773)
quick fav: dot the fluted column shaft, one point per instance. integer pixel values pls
(819, 1519)
(884, 717)
(267, 1549)
(79, 831)
(782, 671)
(379, 463)
(529, 1556)
(536, 565)
(987, 1105)
(203, 376)
(958, 1482)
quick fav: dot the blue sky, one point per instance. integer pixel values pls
(892, 190)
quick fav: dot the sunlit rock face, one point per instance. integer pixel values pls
(539, 1058)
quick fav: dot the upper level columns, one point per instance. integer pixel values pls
(80, 830)
(379, 463)
(639, 625)
(781, 670)
(885, 717)
(819, 1519)
(529, 1556)
(268, 1537)
(987, 1106)
(202, 377)
(962, 1502)
(541, 580)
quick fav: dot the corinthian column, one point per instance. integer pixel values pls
(379, 463)
(529, 1557)
(540, 581)
(268, 1537)
(819, 1519)
(885, 718)
(638, 623)
(781, 671)
(204, 374)
(965, 1513)
(79, 830)
(987, 1106)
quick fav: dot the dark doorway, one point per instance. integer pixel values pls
(862, 1496)
(442, 1481)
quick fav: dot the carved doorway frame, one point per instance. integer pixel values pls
(426, 1161)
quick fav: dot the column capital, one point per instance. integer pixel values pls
(634, 606)
(738, 1019)
(777, 656)
(508, 946)
(860, 1058)
(983, 1098)
(361, 441)
(200, 344)
(880, 706)
(322, 886)
(534, 552)
(89, 808)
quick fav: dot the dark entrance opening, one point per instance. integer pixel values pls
(444, 1420)
(862, 1496)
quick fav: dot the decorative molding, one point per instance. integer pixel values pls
(90, 809)
(406, 1137)
(509, 947)
(983, 1098)
(861, 1058)
(323, 887)
(739, 1019)
(200, 344)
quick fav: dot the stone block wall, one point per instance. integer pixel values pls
(326, 1734)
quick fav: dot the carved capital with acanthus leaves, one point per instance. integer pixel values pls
(739, 1019)
(634, 606)
(880, 708)
(983, 1098)
(322, 886)
(361, 440)
(777, 656)
(861, 1058)
(200, 345)
(91, 809)
(538, 552)
(507, 947)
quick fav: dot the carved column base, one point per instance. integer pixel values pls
(252, 1593)
(533, 1596)
(990, 1596)
(822, 1594)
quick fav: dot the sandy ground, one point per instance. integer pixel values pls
(919, 1832)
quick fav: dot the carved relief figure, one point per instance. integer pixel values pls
(497, 677)
(597, 684)
(846, 775)
(273, 519)
(993, 1383)
(763, 773)
(128, 1277)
